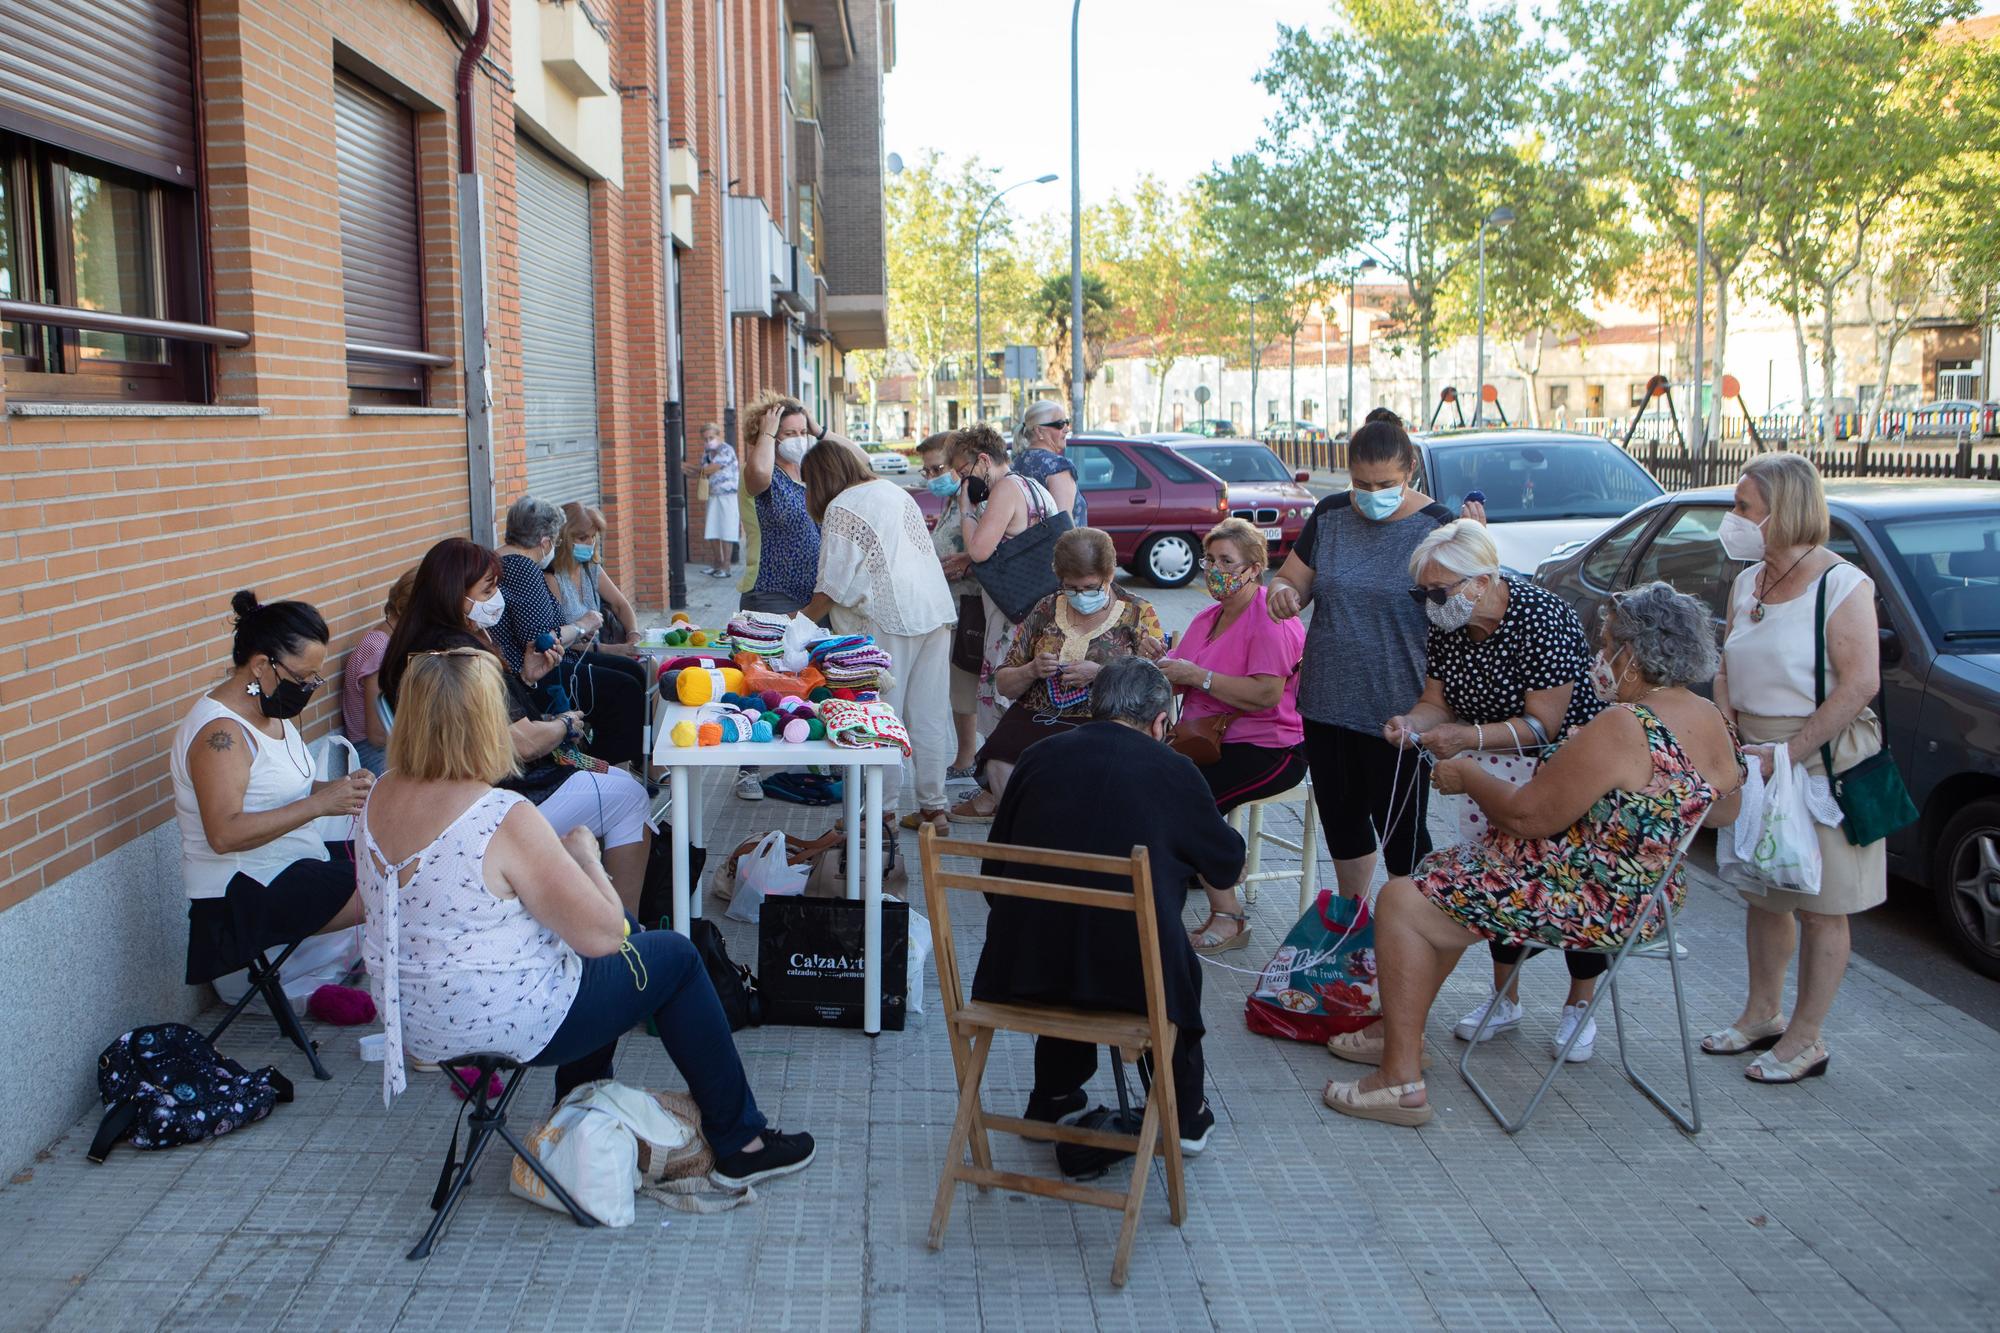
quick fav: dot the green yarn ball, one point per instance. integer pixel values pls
(816, 730)
(820, 694)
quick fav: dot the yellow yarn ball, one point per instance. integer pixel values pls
(685, 735)
(732, 680)
(695, 686)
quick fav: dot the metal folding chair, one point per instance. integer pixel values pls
(265, 981)
(1662, 947)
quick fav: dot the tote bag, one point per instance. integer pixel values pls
(1321, 981)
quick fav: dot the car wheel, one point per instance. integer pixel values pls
(1965, 875)
(1169, 560)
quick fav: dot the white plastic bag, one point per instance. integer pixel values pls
(334, 828)
(919, 950)
(800, 635)
(1781, 849)
(591, 1146)
(1513, 769)
(765, 871)
(320, 960)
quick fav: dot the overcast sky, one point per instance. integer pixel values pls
(1167, 86)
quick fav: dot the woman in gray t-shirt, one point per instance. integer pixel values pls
(1364, 656)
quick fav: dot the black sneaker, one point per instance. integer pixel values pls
(781, 1155)
(1204, 1121)
(1051, 1110)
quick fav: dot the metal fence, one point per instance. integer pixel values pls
(1308, 450)
(1675, 468)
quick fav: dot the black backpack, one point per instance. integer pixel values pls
(166, 1086)
(735, 986)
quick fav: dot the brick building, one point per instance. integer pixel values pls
(234, 295)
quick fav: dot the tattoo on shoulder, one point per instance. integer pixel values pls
(220, 741)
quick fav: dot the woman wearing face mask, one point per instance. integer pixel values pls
(1056, 654)
(1364, 658)
(879, 576)
(948, 540)
(1767, 689)
(1039, 453)
(1237, 662)
(610, 690)
(998, 503)
(787, 540)
(581, 583)
(257, 875)
(1507, 671)
(1566, 859)
(455, 604)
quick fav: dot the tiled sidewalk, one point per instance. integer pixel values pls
(1869, 1199)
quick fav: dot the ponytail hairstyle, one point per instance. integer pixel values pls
(273, 629)
(1382, 439)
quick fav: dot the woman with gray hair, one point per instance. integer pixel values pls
(608, 690)
(1507, 672)
(1568, 857)
(1038, 453)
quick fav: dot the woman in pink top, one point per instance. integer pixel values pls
(360, 685)
(1234, 659)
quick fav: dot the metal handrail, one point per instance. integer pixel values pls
(395, 355)
(106, 321)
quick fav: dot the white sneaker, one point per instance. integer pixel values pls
(748, 788)
(1505, 1019)
(1584, 1044)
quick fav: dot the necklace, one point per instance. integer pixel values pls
(1757, 611)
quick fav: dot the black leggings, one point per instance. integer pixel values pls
(1246, 773)
(611, 691)
(1582, 966)
(1358, 781)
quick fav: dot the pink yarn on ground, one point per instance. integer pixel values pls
(342, 1006)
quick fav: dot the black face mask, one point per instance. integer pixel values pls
(976, 491)
(288, 700)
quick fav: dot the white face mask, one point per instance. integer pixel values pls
(1605, 679)
(1454, 614)
(792, 449)
(1741, 539)
(549, 556)
(486, 614)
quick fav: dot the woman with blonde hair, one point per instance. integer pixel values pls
(1040, 453)
(487, 932)
(582, 584)
(879, 575)
(1796, 595)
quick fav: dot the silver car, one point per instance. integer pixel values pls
(1544, 490)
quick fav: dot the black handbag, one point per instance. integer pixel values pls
(1022, 571)
(968, 638)
(1873, 800)
(809, 961)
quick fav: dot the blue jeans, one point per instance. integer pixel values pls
(680, 999)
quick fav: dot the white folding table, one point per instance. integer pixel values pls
(861, 790)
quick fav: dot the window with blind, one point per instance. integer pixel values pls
(98, 132)
(381, 246)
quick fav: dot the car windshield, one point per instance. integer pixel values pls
(1550, 479)
(1951, 566)
(1237, 462)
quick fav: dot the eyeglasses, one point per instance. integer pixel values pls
(1438, 596)
(1223, 563)
(1055, 425)
(310, 682)
(930, 470)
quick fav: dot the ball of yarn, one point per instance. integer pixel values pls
(680, 618)
(685, 735)
(342, 1006)
(790, 701)
(699, 638)
(771, 698)
(772, 716)
(669, 682)
(820, 694)
(732, 679)
(816, 730)
(761, 732)
(711, 733)
(695, 687)
(798, 731)
(844, 693)
(676, 637)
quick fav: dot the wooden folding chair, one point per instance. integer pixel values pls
(971, 1024)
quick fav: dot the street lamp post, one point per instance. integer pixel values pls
(1699, 426)
(1254, 359)
(1499, 217)
(1354, 273)
(1075, 230)
(978, 325)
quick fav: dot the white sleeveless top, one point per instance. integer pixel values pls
(281, 772)
(454, 969)
(1770, 661)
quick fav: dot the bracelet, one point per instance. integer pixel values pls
(1535, 725)
(1480, 731)
(1515, 734)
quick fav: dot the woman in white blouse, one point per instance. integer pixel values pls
(1766, 688)
(879, 575)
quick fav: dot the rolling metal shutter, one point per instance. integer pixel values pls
(112, 79)
(380, 256)
(558, 329)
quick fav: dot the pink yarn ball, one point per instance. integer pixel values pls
(790, 701)
(342, 1006)
(797, 730)
(771, 699)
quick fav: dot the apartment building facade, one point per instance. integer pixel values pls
(291, 289)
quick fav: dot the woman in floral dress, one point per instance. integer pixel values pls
(1567, 858)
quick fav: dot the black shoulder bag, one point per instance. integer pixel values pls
(1021, 571)
(1873, 800)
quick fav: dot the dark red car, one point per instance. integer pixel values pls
(1155, 503)
(1262, 490)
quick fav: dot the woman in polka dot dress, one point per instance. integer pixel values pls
(1507, 671)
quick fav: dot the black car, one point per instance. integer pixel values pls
(1933, 551)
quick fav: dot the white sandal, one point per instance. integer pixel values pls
(1808, 1063)
(1383, 1104)
(1361, 1047)
(1734, 1040)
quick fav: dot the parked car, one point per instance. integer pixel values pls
(1262, 490)
(1154, 503)
(1304, 430)
(1933, 551)
(1212, 427)
(1544, 489)
(887, 460)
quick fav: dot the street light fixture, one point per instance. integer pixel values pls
(1499, 217)
(978, 325)
(1354, 273)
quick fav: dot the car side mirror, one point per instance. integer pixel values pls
(1302, 477)
(1892, 645)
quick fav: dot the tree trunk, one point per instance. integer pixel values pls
(1712, 433)
(1160, 392)
(1805, 356)
(1828, 355)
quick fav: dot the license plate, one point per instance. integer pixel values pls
(1273, 534)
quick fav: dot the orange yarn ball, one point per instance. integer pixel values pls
(711, 733)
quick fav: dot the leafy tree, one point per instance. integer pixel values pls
(1052, 322)
(1400, 120)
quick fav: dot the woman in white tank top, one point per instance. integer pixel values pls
(1768, 691)
(487, 933)
(257, 875)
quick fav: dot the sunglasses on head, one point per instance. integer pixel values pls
(1438, 596)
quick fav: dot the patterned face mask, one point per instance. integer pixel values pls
(1222, 585)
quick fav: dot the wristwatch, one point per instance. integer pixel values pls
(1206, 681)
